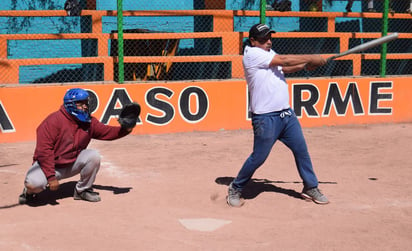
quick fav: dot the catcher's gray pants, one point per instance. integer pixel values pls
(87, 164)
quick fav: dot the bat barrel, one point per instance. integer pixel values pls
(366, 46)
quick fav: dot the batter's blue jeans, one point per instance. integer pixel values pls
(267, 129)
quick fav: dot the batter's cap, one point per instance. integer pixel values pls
(260, 30)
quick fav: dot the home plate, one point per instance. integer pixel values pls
(203, 224)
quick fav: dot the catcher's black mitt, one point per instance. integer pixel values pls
(129, 115)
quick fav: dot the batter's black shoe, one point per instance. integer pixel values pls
(25, 198)
(87, 195)
(314, 194)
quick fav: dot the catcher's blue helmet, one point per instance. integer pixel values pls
(70, 98)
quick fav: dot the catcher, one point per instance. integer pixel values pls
(61, 148)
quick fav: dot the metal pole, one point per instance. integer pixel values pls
(263, 11)
(120, 47)
(384, 33)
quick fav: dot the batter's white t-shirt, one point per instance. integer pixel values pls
(267, 85)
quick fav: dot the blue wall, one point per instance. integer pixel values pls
(31, 4)
(146, 5)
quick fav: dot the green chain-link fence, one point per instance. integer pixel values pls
(190, 40)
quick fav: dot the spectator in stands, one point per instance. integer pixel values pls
(349, 6)
(314, 5)
(409, 10)
(282, 5)
(400, 6)
(350, 3)
(391, 7)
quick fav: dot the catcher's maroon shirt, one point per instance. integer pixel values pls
(61, 138)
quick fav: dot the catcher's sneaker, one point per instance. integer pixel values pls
(24, 198)
(88, 195)
(233, 197)
(314, 194)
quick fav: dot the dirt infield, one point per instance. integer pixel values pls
(168, 193)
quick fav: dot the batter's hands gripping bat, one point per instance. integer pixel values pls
(366, 46)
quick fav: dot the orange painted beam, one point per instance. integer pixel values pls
(50, 61)
(211, 12)
(344, 43)
(319, 14)
(223, 22)
(97, 26)
(3, 47)
(108, 64)
(179, 59)
(9, 73)
(107, 36)
(403, 56)
(53, 36)
(357, 64)
(174, 35)
(331, 24)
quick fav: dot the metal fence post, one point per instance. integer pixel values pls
(120, 47)
(384, 33)
(263, 11)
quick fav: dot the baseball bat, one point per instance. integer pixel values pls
(365, 46)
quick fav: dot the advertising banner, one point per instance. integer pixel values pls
(209, 106)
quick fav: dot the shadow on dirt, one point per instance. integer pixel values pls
(256, 186)
(65, 190)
